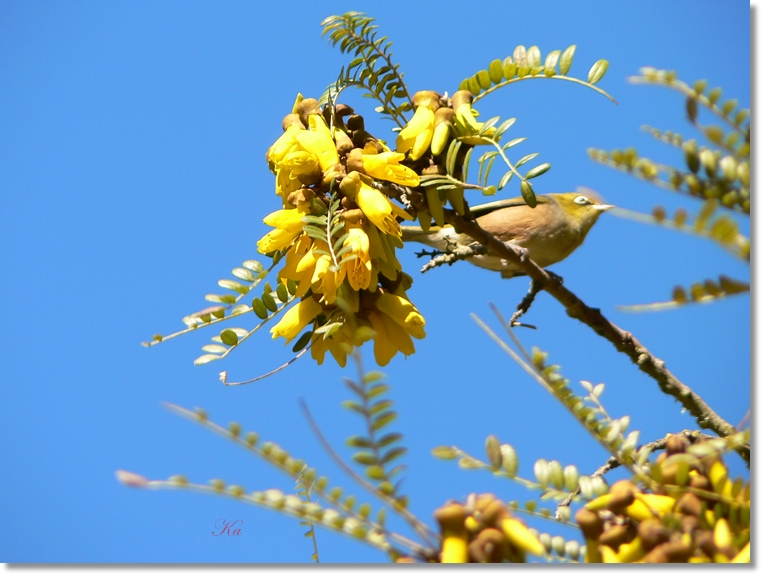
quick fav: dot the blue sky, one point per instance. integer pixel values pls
(132, 174)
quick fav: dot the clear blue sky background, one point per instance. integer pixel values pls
(132, 174)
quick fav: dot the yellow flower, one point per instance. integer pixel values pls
(296, 319)
(288, 225)
(301, 162)
(403, 313)
(358, 267)
(341, 342)
(518, 534)
(375, 205)
(285, 183)
(386, 166)
(326, 280)
(416, 136)
(321, 145)
(297, 259)
(389, 339)
(382, 254)
(284, 144)
(465, 117)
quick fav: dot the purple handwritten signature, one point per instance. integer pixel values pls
(232, 528)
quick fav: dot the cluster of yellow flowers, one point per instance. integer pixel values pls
(330, 173)
(484, 531)
(699, 515)
(348, 278)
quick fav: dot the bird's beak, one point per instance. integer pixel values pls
(602, 207)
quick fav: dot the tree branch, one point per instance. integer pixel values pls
(622, 340)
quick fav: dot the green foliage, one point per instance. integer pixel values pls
(376, 450)
(371, 69)
(525, 64)
(719, 174)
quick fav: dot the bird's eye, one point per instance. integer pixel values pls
(582, 200)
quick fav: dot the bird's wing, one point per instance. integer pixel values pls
(484, 209)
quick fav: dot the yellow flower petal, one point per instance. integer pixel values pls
(358, 268)
(454, 549)
(283, 145)
(386, 166)
(320, 145)
(276, 239)
(402, 312)
(296, 319)
(522, 537)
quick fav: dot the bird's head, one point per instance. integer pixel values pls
(581, 209)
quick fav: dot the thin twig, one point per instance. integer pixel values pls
(418, 526)
(224, 374)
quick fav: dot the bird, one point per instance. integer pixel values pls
(548, 233)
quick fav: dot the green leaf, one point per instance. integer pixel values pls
(364, 458)
(383, 419)
(551, 60)
(534, 57)
(254, 266)
(482, 76)
(269, 302)
(444, 452)
(393, 454)
(495, 71)
(205, 359)
(302, 342)
(388, 439)
(358, 441)
(501, 129)
(528, 194)
(526, 159)
(565, 62)
(214, 348)
(375, 472)
(537, 171)
(504, 180)
(259, 308)
(234, 286)
(229, 337)
(224, 298)
(282, 292)
(597, 71)
(244, 274)
(512, 143)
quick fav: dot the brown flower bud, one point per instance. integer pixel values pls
(488, 547)
(291, 120)
(354, 161)
(676, 551)
(689, 523)
(493, 512)
(342, 110)
(705, 542)
(615, 536)
(700, 482)
(590, 524)
(461, 97)
(689, 504)
(622, 494)
(676, 444)
(652, 533)
(355, 122)
(306, 107)
(451, 517)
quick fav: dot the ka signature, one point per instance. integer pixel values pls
(232, 528)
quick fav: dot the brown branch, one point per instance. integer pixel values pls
(622, 340)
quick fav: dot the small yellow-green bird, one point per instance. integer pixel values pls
(549, 232)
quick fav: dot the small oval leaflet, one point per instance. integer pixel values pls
(229, 337)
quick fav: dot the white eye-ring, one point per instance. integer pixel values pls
(583, 200)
